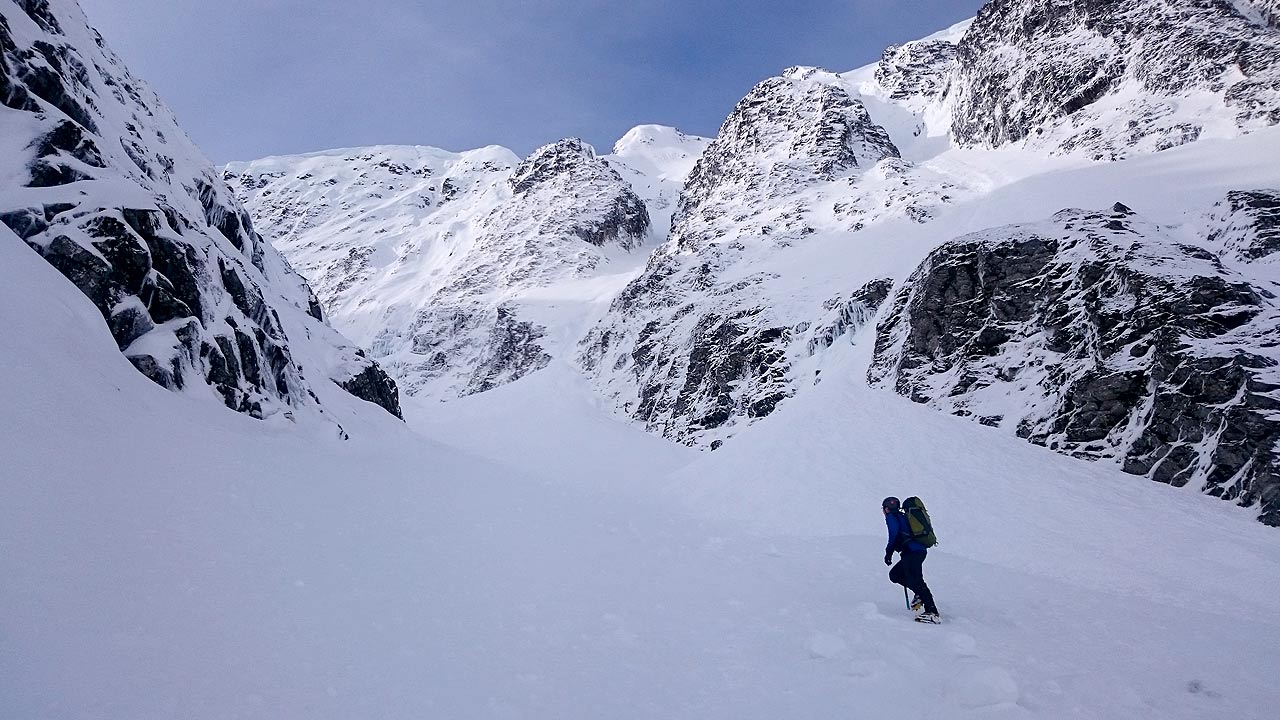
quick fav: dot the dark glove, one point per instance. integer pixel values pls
(888, 557)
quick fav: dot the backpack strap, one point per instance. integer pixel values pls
(904, 531)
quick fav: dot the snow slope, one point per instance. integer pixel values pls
(523, 552)
(395, 577)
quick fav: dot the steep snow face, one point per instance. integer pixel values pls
(1108, 78)
(1105, 336)
(698, 340)
(431, 258)
(98, 178)
(655, 160)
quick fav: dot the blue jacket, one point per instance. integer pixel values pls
(897, 524)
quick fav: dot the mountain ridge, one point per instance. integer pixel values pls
(840, 168)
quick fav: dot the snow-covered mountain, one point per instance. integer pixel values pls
(99, 179)
(806, 190)
(698, 338)
(526, 552)
(821, 194)
(440, 262)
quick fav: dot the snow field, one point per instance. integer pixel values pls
(169, 558)
(524, 553)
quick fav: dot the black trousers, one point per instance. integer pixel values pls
(909, 572)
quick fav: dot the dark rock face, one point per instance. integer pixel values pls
(38, 10)
(1027, 67)
(849, 315)
(696, 346)
(132, 214)
(916, 69)
(511, 353)
(1247, 223)
(1100, 336)
(375, 386)
(594, 202)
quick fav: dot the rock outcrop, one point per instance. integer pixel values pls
(99, 180)
(1247, 224)
(1113, 77)
(1104, 336)
(696, 344)
(586, 197)
(920, 69)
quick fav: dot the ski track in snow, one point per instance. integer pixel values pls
(540, 558)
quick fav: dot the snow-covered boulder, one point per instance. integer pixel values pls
(1104, 336)
(98, 178)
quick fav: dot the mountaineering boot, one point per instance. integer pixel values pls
(916, 603)
(928, 617)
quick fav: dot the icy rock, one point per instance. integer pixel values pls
(133, 215)
(374, 385)
(1058, 74)
(511, 352)
(850, 315)
(1100, 335)
(1247, 223)
(1268, 11)
(919, 69)
(690, 354)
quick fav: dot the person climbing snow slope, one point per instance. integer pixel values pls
(909, 572)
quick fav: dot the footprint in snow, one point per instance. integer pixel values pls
(825, 646)
(962, 644)
(982, 685)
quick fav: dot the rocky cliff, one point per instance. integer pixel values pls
(697, 343)
(1104, 336)
(99, 180)
(1113, 77)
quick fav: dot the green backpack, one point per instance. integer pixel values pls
(919, 527)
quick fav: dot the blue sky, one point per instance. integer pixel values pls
(249, 78)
